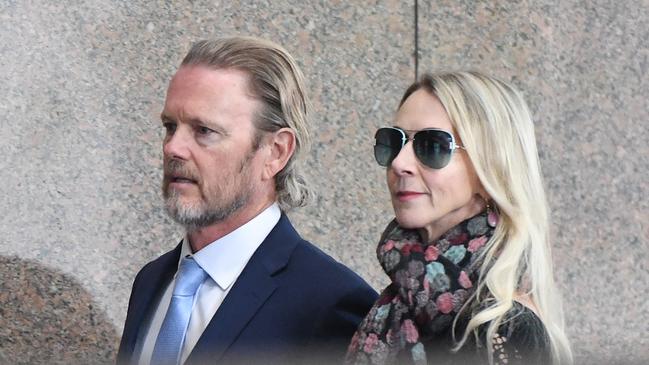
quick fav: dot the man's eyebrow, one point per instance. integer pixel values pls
(197, 122)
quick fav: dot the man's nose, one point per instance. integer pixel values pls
(177, 144)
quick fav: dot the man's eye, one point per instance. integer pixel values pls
(169, 127)
(204, 130)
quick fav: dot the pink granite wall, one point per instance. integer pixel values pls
(80, 140)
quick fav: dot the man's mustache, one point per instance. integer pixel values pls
(174, 169)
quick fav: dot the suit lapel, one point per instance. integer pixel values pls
(249, 293)
(240, 305)
(153, 278)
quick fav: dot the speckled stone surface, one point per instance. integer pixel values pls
(83, 85)
(82, 88)
(48, 318)
(583, 68)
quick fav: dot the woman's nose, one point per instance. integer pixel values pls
(405, 162)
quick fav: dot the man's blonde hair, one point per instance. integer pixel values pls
(277, 82)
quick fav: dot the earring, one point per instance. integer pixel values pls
(492, 215)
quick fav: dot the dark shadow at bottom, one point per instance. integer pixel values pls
(47, 317)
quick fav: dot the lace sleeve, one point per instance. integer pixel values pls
(521, 340)
(503, 352)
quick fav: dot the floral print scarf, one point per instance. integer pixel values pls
(430, 284)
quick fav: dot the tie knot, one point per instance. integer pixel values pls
(189, 278)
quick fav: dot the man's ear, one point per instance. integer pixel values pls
(282, 145)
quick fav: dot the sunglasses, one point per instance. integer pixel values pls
(433, 147)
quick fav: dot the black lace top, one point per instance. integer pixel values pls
(521, 339)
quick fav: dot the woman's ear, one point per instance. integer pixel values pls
(486, 198)
(282, 146)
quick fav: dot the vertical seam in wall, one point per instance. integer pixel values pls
(416, 40)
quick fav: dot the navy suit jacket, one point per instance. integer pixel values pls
(291, 304)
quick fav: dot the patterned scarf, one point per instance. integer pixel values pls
(430, 283)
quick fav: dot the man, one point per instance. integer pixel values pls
(242, 287)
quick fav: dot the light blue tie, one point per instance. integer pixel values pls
(169, 344)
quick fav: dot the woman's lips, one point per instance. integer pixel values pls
(408, 195)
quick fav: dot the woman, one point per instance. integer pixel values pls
(468, 252)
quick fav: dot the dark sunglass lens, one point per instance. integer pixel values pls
(433, 148)
(387, 146)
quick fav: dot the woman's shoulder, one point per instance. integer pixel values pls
(521, 338)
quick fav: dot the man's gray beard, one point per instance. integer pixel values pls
(201, 215)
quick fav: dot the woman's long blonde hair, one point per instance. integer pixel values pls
(495, 126)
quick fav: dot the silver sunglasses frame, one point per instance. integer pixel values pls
(405, 139)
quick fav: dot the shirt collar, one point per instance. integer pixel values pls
(225, 258)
